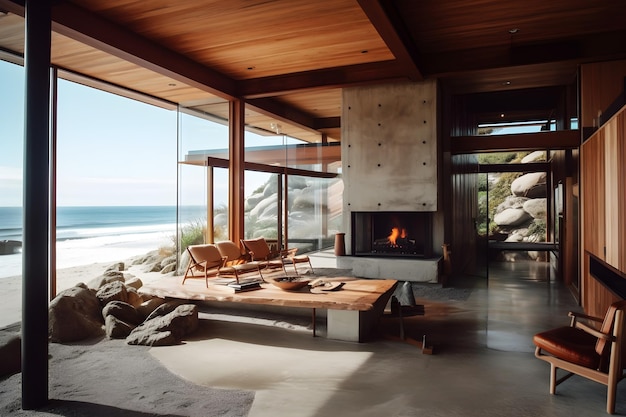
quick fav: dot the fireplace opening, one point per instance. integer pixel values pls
(392, 234)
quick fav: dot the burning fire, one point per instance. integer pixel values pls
(396, 233)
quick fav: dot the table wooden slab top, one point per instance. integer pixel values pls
(356, 294)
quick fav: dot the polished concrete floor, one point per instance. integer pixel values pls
(483, 362)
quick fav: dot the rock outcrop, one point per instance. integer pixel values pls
(10, 353)
(112, 306)
(75, 314)
(521, 217)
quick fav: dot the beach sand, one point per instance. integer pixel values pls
(108, 377)
(11, 287)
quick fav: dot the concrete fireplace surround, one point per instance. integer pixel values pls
(389, 152)
(415, 270)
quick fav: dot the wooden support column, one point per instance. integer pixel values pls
(210, 206)
(236, 152)
(35, 252)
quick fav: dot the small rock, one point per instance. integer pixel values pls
(149, 306)
(134, 282)
(166, 330)
(111, 292)
(122, 311)
(116, 328)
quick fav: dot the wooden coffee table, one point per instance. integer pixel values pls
(352, 311)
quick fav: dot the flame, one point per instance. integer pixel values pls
(396, 233)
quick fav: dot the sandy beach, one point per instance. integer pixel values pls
(107, 377)
(11, 287)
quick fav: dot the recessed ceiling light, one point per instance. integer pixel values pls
(501, 115)
(513, 31)
(251, 68)
(506, 83)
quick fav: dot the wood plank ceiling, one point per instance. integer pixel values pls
(289, 59)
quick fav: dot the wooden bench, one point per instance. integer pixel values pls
(352, 311)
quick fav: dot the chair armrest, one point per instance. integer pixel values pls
(584, 316)
(576, 317)
(594, 332)
(289, 253)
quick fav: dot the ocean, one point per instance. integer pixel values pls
(100, 234)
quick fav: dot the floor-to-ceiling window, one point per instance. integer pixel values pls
(115, 176)
(293, 189)
(11, 175)
(203, 189)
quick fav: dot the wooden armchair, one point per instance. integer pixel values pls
(582, 350)
(260, 251)
(237, 263)
(205, 260)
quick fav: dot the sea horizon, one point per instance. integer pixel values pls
(94, 234)
(79, 222)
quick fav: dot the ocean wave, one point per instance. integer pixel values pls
(88, 232)
(85, 251)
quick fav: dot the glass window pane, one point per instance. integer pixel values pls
(116, 170)
(201, 137)
(11, 174)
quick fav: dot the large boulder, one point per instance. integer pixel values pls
(148, 306)
(107, 277)
(116, 328)
(535, 156)
(113, 291)
(532, 185)
(10, 354)
(536, 207)
(75, 314)
(511, 202)
(122, 311)
(511, 217)
(166, 330)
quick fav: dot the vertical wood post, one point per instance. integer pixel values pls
(236, 162)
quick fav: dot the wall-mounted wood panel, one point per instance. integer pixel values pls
(603, 194)
(593, 189)
(601, 83)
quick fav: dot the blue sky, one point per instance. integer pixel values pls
(111, 150)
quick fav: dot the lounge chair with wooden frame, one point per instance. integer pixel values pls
(237, 262)
(260, 251)
(206, 260)
(582, 350)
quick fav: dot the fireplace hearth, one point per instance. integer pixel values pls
(392, 234)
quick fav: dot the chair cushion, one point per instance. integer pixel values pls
(570, 344)
(259, 247)
(208, 253)
(229, 249)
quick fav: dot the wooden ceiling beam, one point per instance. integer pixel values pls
(90, 29)
(594, 47)
(391, 28)
(327, 123)
(562, 139)
(274, 108)
(321, 79)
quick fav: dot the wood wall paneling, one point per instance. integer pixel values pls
(592, 176)
(603, 194)
(601, 83)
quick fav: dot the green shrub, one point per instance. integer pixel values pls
(192, 234)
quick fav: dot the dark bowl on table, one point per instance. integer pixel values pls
(290, 283)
